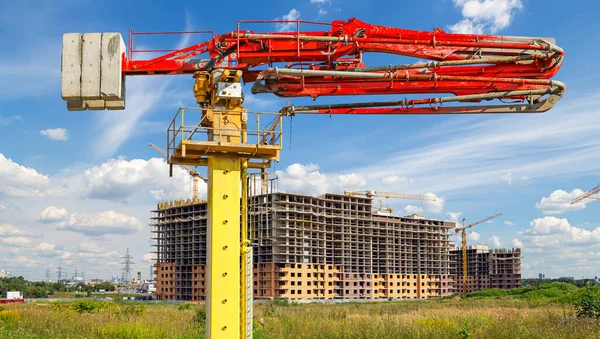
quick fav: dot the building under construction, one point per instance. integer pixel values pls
(327, 247)
(495, 268)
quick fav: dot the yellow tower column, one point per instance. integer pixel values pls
(223, 252)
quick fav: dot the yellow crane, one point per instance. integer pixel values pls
(463, 232)
(195, 175)
(387, 195)
(382, 209)
(588, 195)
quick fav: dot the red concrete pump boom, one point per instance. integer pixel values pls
(472, 67)
(514, 72)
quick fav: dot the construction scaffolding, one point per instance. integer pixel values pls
(326, 247)
(179, 229)
(495, 268)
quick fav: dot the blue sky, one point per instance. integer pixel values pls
(77, 187)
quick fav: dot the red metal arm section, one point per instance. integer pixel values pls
(328, 63)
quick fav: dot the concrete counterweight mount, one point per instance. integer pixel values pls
(91, 71)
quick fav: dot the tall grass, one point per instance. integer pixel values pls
(545, 312)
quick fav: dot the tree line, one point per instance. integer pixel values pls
(43, 289)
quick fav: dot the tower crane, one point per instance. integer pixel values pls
(195, 175)
(588, 195)
(463, 232)
(483, 74)
(387, 195)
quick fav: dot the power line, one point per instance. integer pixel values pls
(48, 274)
(127, 267)
(59, 270)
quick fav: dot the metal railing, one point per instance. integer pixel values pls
(192, 124)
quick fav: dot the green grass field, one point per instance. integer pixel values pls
(545, 312)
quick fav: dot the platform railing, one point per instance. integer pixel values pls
(191, 124)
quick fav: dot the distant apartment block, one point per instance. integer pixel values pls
(305, 247)
(5, 274)
(495, 268)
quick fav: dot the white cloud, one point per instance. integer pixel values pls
(508, 178)
(474, 236)
(56, 133)
(149, 257)
(90, 247)
(23, 261)
(434, 206)
(483, 16)
(495, 242)
(307, 179)
(509, 223)
(322, 11)
(303, 179)
(410, 209)
(96, 224)
(16, 241)
(66, 255)
(553, 231)
(9, 230)
(47, 250)
(396, 179)
(53, 214)
(516, 243)
(93, 254)
(293, 14)
(118, 179)
(9, 120)
(161, 195)
(351, 181)
(454, 216)
(559, 202)
(321, 2)
(21, 181)
(467, 26)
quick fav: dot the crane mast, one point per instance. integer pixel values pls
(481, 73)
(463, 233)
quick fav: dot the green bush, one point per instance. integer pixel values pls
(200, 317)
(185, 307)
(588, 305)
(129, 311)
(552, 292)
(87, 306)
(491, 293)
(281, 302)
